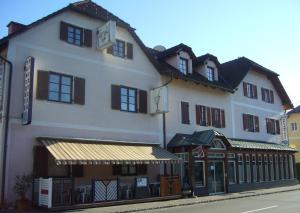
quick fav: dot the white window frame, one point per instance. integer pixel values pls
(232, 161)
(210, 73)
(183, 65)
(294, 127)
(204, 180)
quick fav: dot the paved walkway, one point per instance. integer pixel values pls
(141, 207)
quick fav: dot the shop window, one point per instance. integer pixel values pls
(254, 168)
(286, 167)
(266, 168)
(276, 167)
(199, 173)
(271, 167)
(281, 167)
(260, 169)
(248, 173)
(241, 169)
(181, 168)
(231, 172)
(291, 167)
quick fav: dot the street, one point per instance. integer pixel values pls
(287, 202)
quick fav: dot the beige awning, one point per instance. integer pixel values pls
(82, 151)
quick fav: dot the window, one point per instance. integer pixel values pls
(271, 167)
(260, 168)
(185, 114)
(294, 127)
(267, 95)
(248, 173)
(199, 173)
(60, 88)
(254, 167)
(231, 172)
(118, 49)
(217, 144)
(183, 65)
(276, 168)
(208, 116)
(273, 126)
(250, 90)
(241, 169)
(210, 73)
(250, 123)
(128, 99)
(266, 168)
(74, 35)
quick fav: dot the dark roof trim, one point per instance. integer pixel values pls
(203, 58)
(295, 110)
(174, 50)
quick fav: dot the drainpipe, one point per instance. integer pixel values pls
(6, 127)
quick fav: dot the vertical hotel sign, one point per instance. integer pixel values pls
(28, 90)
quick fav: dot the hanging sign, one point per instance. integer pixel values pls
(28, 90)
(159, 100)
(284, 134)
(106, 35)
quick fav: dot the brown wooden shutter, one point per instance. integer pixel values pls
(63, 31)
(222, 118)
(42, 85)
(245, 88)
(218, 121)
(115, 97)
(208, 109)
(277, 127)
(143, 104)
(203, 116)
(213, 117)
(245, 121)
(271, 97)
(263, 94)
(87, 38)
(129, 51)
(268, 125)
(185, 113)
(79, 91)
(40, 161)
(254, 91)
(109, 49)
(198, 114)
(256, 124)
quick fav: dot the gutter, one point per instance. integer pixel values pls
(6, 127)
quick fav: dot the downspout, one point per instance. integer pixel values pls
(6, 127)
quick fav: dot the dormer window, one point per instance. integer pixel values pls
(210, 73)
(183, 65)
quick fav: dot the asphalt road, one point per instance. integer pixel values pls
(285, 202)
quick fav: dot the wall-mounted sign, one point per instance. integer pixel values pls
(159, 100)
(106, 35)
(141, 182)
(284, 130)
(28, 90)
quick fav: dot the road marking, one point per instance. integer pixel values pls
(256, 210)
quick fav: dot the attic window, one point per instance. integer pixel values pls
(210, 73)
(183, 65)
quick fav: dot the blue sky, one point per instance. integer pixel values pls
(265, 31)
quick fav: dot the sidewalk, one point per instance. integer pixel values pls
(190, 201)
(141, 207)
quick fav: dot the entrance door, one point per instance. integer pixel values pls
(215, 177)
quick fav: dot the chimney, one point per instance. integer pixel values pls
(14, 26)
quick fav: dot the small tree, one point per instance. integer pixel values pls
(23, 183)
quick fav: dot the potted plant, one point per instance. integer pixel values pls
(23, 183)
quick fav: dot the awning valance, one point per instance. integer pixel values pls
(82, 151)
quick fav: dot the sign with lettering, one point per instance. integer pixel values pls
(284, 134)
(159, 100)
(106, 35)
(28, 90)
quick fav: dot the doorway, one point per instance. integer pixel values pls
(216, 181)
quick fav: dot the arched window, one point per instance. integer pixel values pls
(217, 144)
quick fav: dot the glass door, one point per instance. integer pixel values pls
(215, 177)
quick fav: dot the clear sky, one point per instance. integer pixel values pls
(266, 31)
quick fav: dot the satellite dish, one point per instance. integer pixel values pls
(159, 48)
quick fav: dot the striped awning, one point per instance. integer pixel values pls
(94, 152)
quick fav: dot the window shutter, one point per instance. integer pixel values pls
(77, 171)
(109, 49)
(263, 94)
(203, 116)
(245, 88)
(245, 121)
(256, 124)
(87, 34)
(129, 51)
(143, 104)
(277, 127)
(115, 97)
(208, 116)
(271, 97)
(268, 125)
(213, 117)
(254, 91)
(198, 114)
(222, 118)
(79, 91)
(40, 164)
(63, 31)
(185, 113)
(218, 122)
(42, 85)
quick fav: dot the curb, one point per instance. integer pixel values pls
(205, 201)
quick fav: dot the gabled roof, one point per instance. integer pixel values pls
(295, 110)
(235, 71)
(174, 50)
(201, 59)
